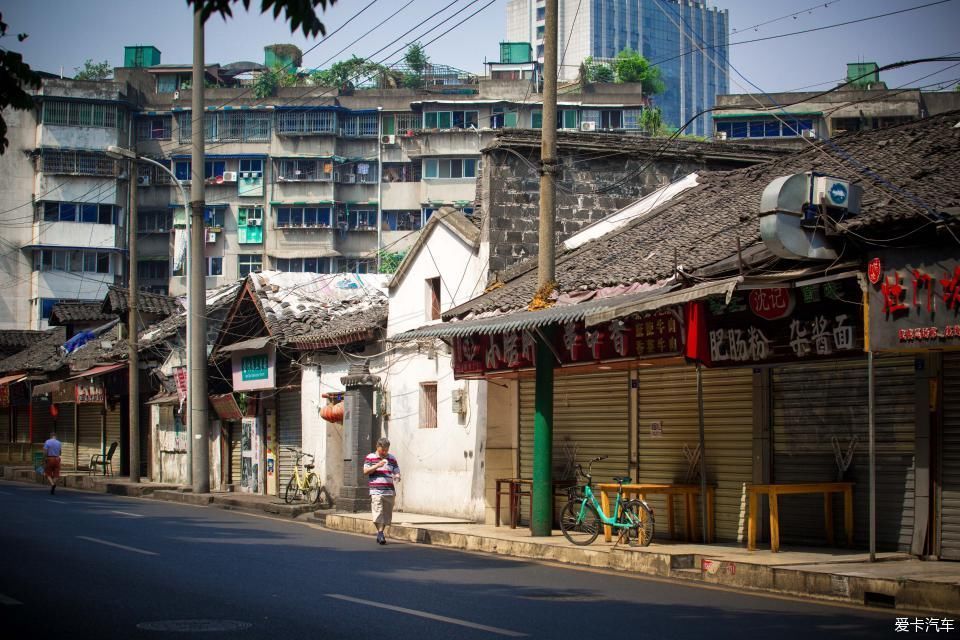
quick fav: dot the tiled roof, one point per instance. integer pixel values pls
(43, 355)
(15, 340)
(320, 309)
(64, 313)
(117, 302)
(908, 174)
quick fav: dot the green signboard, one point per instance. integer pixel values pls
(254, 367)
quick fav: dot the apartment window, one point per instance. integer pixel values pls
(437, 168)
(213, 217)
(250, 225)
(428, 405)
(227, 126)
(503, 117)
(401, 172)
(215, 266)
(46, 305)
(251, 165)
(154, 221)
(536, 119)
(249, 263)
(352, 265)
(364, 219)
(631, 118)
(303, 217)
(364, 125)
(82, 163)
(154, 128)
(81, 114)
(211, 169)
(433, 298)
(402, 220)
(153, 269)
(302, 265)
(763, 128)
(304, 170)
(306, 122)
(611, 119)
(79, 212)
(71, 260)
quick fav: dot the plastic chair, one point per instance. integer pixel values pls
(105, 461)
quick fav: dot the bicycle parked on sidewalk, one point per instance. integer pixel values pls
(582, 517)
(302, 483)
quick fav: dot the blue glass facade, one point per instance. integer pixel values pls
(688, 41)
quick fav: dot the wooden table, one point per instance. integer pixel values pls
(688, 491)
(754, 491)
(515, 490)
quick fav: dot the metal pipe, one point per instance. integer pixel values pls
(872, 454)
(133, 362)
(379, 184)
(703, 454)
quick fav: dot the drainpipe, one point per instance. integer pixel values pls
(379, 183)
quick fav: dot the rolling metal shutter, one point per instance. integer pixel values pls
(236, 465)
(66, 435)
(6, 415)
(114, 425)
(591, 417)
(22, 424)
(817, 402)
(289, 433)
(89, 429)
(669, 396)
(950, 460)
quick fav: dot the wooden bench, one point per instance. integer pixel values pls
(773, 491)
(688, 491)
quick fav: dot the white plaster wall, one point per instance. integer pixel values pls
(76, 234)
(78, 137)
(16, 205)
(85, 286)
(442, 468)
(100, 190)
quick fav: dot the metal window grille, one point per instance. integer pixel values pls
(408, 122)
(154, 128)
(81, 114)
(76, 163)
(306, 122)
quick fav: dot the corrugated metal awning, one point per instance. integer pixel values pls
(46, 387)
(98, 371)
(245, 345)
(723, 287)
(17, 377)
(523, 320)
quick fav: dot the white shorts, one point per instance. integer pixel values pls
(382, 508)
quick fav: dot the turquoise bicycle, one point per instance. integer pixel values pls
(582, 518)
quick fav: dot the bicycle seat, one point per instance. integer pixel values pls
(622, 480)
(309, 466)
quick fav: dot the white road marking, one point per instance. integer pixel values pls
(430, 616)
(57, 501)
(118, 546)
(127, 513)
(7, 600)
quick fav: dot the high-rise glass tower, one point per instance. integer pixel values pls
(686, 39)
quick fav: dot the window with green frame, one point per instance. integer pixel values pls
(536, 119)
(250, 225)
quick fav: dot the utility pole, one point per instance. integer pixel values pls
(541, 520)
(133, 358)
(196, 292)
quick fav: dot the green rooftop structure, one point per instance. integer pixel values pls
(514, 52)
(141, 56)
(863, 75)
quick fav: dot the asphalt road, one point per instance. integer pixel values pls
(79, 565)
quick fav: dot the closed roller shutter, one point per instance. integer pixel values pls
(66, 435)
(22, 424)
(289, 433)
(114, 425)
(89, 429)
(236, 468)
(815, 402)
(669, 396)
(950, 460)
(6, 414)
(591, 417)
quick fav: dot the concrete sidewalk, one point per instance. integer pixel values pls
(896, 580)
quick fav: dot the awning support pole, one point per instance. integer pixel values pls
(703, 455)
(541, 513)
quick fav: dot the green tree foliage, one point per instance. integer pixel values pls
(417, 61)
(630, 66)
(347, 73)
(93, 70)
(16, 78)
(389, 261)
(651, 121)
(301, 14)
(594, 71)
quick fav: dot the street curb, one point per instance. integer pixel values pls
(905, 594)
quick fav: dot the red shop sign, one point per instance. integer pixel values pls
(771, 304)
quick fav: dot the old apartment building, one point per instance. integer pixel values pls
(306, 179)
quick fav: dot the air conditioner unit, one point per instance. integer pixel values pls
(721, 136)
(809, 133)
(350, 178)
(245, 174)
(229, 176)
(836, 193)
(588, 126)
(143, 181)
(211, 237)
(388, 139)
(254, 222)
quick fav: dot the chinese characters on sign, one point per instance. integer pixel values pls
(915, 301)
(781, 324)
(89, 392)
(924, 625)
(655, 335)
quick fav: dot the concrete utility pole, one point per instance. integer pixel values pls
(133, 363)
(541, 520)
(196, 292)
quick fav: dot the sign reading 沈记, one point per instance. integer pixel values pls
(915, 301)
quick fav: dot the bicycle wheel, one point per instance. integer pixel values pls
(640, 515)
(292, 491)
(312, 492)
(581, 531)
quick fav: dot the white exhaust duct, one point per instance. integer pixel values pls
(789, 210)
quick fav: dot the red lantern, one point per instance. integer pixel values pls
(54, 411)
(332, 412)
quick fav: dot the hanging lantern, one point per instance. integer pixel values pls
(332, 412)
